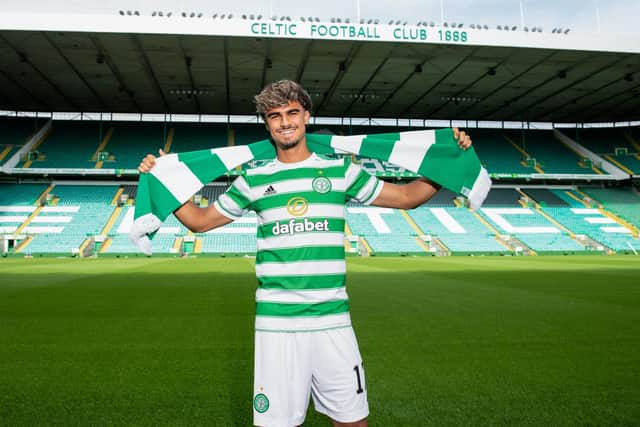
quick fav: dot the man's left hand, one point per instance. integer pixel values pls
(464, 140)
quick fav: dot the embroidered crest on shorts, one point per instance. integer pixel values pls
(321, 185)
(261, 403)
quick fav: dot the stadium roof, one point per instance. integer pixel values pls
(151, 67)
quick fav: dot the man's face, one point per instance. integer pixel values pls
(287, 124)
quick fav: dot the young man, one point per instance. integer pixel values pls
(304, 342)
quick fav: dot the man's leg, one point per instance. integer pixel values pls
(282, 379)
(338, 385)
(361, 423)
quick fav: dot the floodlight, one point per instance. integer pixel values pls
(370, 21)
(215, 15)
(460, 25)
(567, 31)
(122, 12)
(377, 21)
(499, 27)
(473, 26)
(514, 28)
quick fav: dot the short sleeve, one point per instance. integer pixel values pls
(361, 185)
(236, 201)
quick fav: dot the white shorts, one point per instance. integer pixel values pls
(289, 366)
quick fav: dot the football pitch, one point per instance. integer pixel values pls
(445, 341)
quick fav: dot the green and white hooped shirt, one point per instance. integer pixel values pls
(300, 262)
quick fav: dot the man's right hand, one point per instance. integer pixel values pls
(149, 162)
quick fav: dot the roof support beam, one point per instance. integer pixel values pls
(303, 62)
(428, 91)
(23, 57)
(227, 84)
(188, 61)
(550, 112)
(343, 66)
(612, 102)
(508, 82)
(266, 65)
(149, 70)
(6, 101)
(25, 90)
(368, 82)
(466, 88)
(574, 83)
(76, 71)
(530, 90)
(114, 70)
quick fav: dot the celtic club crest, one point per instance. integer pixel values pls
(261, 403)
(321, 185)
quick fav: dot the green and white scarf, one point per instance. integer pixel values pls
(433, 154)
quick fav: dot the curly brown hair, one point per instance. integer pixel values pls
(279, 93)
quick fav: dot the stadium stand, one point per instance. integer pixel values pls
(14, 132)
(385, 230)
(196, 136)
(458, 229)
(70, 144)
(545, 197)
(619, 146)
(130, 141)
(622, 202)
(551, 155)
(498, 155)
(78, 211)
(238, 237)
(20, 194)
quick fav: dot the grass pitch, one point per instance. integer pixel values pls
(455, 341)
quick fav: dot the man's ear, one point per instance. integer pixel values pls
(307, 116)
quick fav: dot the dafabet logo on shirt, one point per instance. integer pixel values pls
(297, 206)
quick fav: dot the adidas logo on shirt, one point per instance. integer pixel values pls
(269, 191)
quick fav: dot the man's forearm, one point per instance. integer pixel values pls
(199, 219)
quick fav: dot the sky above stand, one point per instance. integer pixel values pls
(581, 16)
